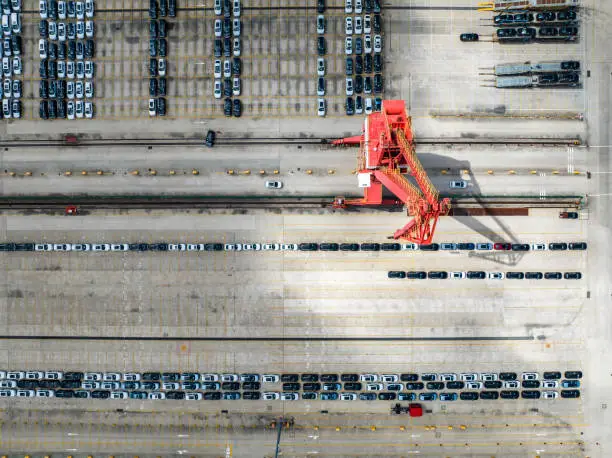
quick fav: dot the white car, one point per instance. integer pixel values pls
(217, 89)
(209, 377)
(550, 394)
(473, 385)
(81, 246)
(61, 31)
(459, 184)
(79, 89)
(232, 247)
(389, 378)
(368, 378)
(61, 69)
(270, 378)
(195, 247)
(236, 8)
(193, 396)
(358, 25)
(89, 29)
(54, 375)
(367, 24)
(110, 385)
(374, 387)
(496, 275)
(15, 23)
(152, 107)
(70, 88)
(171, 386)
(348, 6)
(405, 246)
(236, 28)
(17, 67)
(118, 395)
(62, 247)
(61, 9)
(16, 5)
(348, 25)
(270, 396)
(100, 246)
(488, 377)
(550, 384)
(15, 375)
(271, 246)
(44, 393)
(348, 397)
(89, 89)
(92, 376)
(349, 86)
(89, 8)
(218, 28)
(7, 393)
(236, 88)
(470, 377)
(131, 377)
(367, 46)
(218, 8)
(448, 377)
(43, 247)
(229, 377)
(89, 110)
(377, 43)
(512, 384)
(348, 46)
(89, 69)
(26, 393)
(177, 247)
(120, 247)
(289, 396)
(161, 67)
(157, 395)
(529, 376)
(538, 247)
(274, 184)
(358, 6)
(42, 9)
(321, 66)
(80, 10)
(321, 107)
(70, 110)
(227, 68)
(457, 275)
(80, 30)
(52, 30)
(289, 246)
(70, 71)
(42, 48)
(80, 69)
(217, 69)
(320, 24)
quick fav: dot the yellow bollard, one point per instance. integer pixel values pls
(262, 172)
(172, 172)
(402, 428)
(463, 427)
(135, 172)
(511, 172)
(465, 172)
(246, 172)
(337, 428)
(316, 428)
(331, 172)
(555, 172)
(276, 172)
(533, 172)
(450, 427)
(309, 172)
(230, 172)
(195, 172)
(83, 172)
(372, 428)
(153, 172)
(28, 174)
(490, 172)
(100, 172)
(444, 172)
(68, 173)
(12, 174)
(577, 172)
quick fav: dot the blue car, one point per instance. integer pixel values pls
(570, 383)
(448, 396)
(231, 395)
(428, 396)
(329, 396)
(138, 395)
(366, 396)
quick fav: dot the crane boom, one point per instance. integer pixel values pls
(386, 154)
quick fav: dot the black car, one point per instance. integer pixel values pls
(530, 384)
(577, 246)
(52, 109)
(172, 8)
(290, 377)
(520, 247)
(416, 275)
(309, 395)
(570, 65)
(52, 70)
(349, 66)
(90, 49)
(553, 276)
(309, 377)
(100, 394)
(358, 46)
(468, 37)
(545, 16)
(161, 106)
(43, 29)
(251, 386)
(476, 274)
(573, 374)
(227, 87)
(49, 384)
(321, 46)
(227, 47)
(227, 107)
(230, 386)
(163, 8)
(370, 247)
(509, 394)
(135, 385)
(27, 384)
(312, 387)
(378, 83)
(570, 393)
(213, 246)
(507, 376)
(43, 69)
(210, 140)
(489, 395)
(192, 386)
(73, 375)
(329, 247)
(349, 247)
(358, 65)
(61, 51)
(151, 376)
(152, 87)
(566, 15)
(493, 385)
(377, 23)
(308, 246)
(320, 6)
(506, 33)
(161, 87)
(456, 385)
(170, 376)
(551, 78)
(152, 67)
(139, 246)
(176, 395)
(534, 275)
(466, 246)
(572, 275)
(24, 247)
(162, 44)
(435, 385)
(152, 9)
(367, 396)
(43, 109)
(218, 47)
(349, 377)
(64, 393)
(438, 275)
(153, 29)
(377, 6)
(428, 377)
(158, 246)
(530, 394)
(227, 28)
(163, 28)
(429, 247)
(367, 63)
(468, 396)
(415, 386)
(291, 387)
(251, 395)
(72, 50)
(349, 106)
(236, 66)
(396, 274)
(551, 375)
(526, 32)
(150, 385)
(52, 51)
(548, 31)
(515, 275)
(212, 396)
(358, 87)
(390, 247)
(352, 386)
(386, 396)
(329, 377)
(237, 108)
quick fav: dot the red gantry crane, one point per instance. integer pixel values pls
(386, 153)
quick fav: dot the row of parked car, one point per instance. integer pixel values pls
(158, 50)
(11, 88)
(568, 33)
(561, 246)
(481, 275)
(525, 17)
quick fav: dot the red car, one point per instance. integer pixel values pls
(502, 246)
